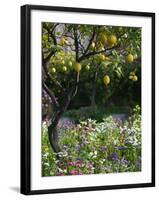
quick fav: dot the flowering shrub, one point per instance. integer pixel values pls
(91, 147)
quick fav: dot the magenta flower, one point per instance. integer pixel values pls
(74, 172)
(78, 165)
(71, 163)
(75, 163)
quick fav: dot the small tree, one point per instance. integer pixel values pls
(75, 54)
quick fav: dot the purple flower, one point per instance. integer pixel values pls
(124, 161)
(122, 148)
(114, 156)
(104, 149)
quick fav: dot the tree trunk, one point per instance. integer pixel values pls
(93, 103)
(52, 129)
(53, 136)
(53, 132)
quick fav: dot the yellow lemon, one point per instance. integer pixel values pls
(112, 39)
(64, 68)
(130, 58)
(70, 64)
(132, 73)
(87, 67)
(135, 56)
(63, 62)
(103, 38)
(77, 67)
(135, 78)
(101, 57)
(106, 80)
(130, 77)
(53, 70)
(92, 46)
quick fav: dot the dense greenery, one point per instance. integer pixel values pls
(96, 113)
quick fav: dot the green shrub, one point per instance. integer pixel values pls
(96, 112)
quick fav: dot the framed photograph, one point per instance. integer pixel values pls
(87, 99)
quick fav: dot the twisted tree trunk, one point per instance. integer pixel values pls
(53, 138)
(52, 129)
(53, 133)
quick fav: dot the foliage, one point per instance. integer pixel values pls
(110, 146)
(96, 113)
(65, 45)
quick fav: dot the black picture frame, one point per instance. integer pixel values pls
(26, 98)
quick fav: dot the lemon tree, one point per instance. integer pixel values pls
(88, 62)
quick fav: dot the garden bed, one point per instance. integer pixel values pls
(90, 146)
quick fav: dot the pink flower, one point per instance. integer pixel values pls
(71, 163)
(90, 166)
(74, 172)
(78, 165)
